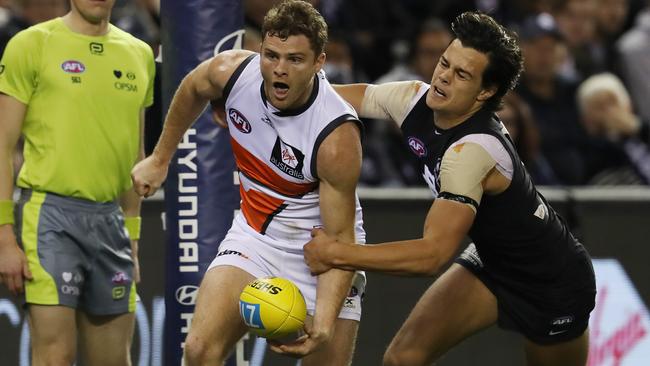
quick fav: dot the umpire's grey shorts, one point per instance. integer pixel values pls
(78, 252)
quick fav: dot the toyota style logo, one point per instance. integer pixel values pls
(186, 295)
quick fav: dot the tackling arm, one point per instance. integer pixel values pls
(446, 225)
(386, 101)
(467, 171)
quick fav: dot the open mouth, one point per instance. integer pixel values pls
(439, 92)
(280, 90)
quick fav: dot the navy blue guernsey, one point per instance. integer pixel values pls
(522, 242)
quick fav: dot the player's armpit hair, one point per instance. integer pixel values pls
(459, 198)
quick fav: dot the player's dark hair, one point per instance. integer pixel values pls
(505, 62)
(295, 17)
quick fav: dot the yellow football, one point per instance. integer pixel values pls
(272, 307)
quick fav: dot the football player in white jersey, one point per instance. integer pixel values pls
(297, 147)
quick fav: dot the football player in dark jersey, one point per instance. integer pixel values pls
(524, 271)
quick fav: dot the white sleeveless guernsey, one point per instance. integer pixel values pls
(276, 151)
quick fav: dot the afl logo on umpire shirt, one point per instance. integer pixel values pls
(73, 67)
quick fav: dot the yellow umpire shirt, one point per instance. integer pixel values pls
(84, 96)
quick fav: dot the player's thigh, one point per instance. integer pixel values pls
(97, 333)
(456, 306)
(570, 353)
(339, 350)
(217, 325)
(53, 333)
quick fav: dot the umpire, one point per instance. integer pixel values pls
(75, 87)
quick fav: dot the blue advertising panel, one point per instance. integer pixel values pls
(201, 196)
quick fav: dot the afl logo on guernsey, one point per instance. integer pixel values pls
(240, 122)
(73, 67)
(417, 147)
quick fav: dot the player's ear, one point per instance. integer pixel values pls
(486, 93)
(320, 61)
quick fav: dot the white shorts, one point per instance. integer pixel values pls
(258, 255)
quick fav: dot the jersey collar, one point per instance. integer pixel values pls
(295, 111)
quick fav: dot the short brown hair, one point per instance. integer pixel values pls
(295, 17)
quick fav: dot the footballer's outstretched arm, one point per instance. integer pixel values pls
(206, 82)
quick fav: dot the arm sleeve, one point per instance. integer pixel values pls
(19, 68)
(463, 168)
(151, 73)
(391, 100)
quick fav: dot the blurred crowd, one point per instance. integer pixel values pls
(580, 115)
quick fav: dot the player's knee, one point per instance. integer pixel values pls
(194, 351)
(53, 357)
(198, 351)
(403, 357)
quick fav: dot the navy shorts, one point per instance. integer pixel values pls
(543, 314)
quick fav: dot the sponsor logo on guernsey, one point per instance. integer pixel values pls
(417, 147)
(186, 295)
(73, 67)
(267, 120)
(288, 159)
(231, 252)
(239, 121)
(433, 178)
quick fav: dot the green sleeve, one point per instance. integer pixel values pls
(19, 68)
(151, 71)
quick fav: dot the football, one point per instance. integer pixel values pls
(272, 307)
